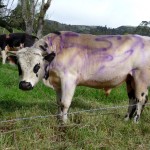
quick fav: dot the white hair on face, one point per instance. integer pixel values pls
(29, 51)
(28, 58)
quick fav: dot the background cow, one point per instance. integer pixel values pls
(65, 60)
(14, 42)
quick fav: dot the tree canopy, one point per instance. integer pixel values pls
(3, 17)
(29, 17)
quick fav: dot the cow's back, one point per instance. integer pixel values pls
(97, 59)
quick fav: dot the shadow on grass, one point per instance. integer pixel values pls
(13, 105)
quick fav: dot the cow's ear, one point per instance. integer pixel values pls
(50, 57)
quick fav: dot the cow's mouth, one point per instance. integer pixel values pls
(23, 85)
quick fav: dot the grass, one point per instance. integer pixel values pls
(104, 129)
(4, 31)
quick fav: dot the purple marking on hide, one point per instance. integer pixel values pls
(103, 49)
(129, 52)
(102, 38)
(126, 55)
(50, 41)
(72, 45)
(61, 43)
(101, 69)
(119, 37)
(100, 58)
(107, 58)
(138, 42)
(86, 47)
(133, 71)
(142, 45)
(71, 34)
(106, 41)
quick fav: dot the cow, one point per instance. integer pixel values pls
(14, 42)
(65, 60)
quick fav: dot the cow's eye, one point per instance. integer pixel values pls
(19, 69)
(36, 68)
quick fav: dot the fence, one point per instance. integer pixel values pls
(71, 113)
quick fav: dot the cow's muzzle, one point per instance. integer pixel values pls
(23, 85)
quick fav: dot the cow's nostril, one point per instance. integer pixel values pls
(28, 84)
(23, 85)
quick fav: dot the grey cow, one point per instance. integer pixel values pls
(65, 60)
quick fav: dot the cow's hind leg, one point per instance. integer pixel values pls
(131, 96)
(141, 78)
(68, 85)
(142, 98)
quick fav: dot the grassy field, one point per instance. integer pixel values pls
(95, 130)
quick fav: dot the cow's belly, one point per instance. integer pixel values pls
(103, 84)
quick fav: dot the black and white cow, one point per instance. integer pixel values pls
(65, 60)
(14, 42)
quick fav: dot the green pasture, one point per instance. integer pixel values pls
(94, 130)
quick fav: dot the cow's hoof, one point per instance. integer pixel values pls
(136, 119)
(126, 118)
(62, 119)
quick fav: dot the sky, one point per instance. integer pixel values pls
(110, 13)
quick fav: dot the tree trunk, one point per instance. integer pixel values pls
(28, 13)
(40, 23)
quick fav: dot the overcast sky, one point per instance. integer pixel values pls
(112, 13)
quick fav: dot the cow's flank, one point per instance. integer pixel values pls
(65, 60)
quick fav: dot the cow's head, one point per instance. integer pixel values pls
(31, 66)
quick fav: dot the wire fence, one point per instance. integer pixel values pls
(71, 113)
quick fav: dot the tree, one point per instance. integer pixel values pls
(29, 14)
(4, 18)
(40, 24)
(143, 28)
(2, 6)
(16, 20)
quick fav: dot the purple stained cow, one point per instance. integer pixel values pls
(66, 59)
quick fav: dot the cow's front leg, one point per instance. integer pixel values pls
(68, 85)
(141, 91)
(142, 98)
(58, 98)
(4, 56)
(131, 109)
